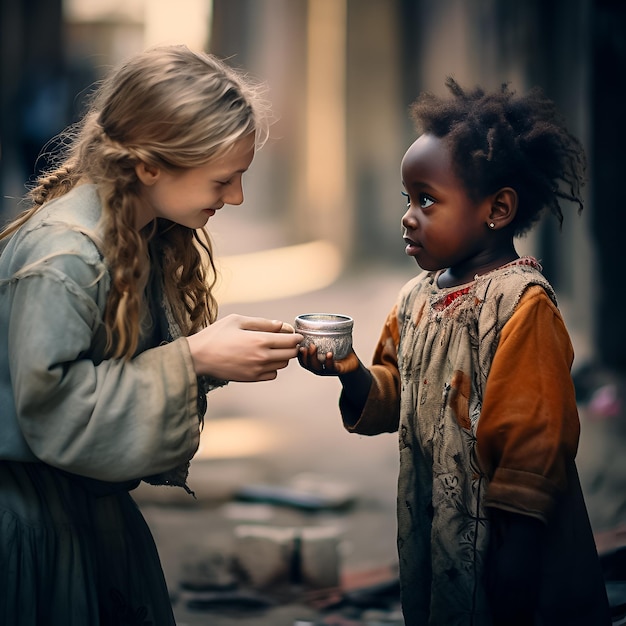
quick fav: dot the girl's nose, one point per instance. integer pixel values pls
(234, 195)
(409, 220)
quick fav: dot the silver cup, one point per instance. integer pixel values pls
(329, 332)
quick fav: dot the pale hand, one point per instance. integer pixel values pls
(243, 349)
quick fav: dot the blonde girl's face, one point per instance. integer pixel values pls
(191, 196)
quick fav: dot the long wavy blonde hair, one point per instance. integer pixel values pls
(172, 108)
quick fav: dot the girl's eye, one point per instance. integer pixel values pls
(426, 201)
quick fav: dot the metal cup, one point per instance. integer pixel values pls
(329, 332)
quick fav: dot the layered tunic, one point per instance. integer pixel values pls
(476, 380)
(79, 430)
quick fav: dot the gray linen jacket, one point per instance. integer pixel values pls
(61, 401)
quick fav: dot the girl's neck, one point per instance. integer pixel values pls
(467, 272)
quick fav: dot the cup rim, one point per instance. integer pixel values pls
(321, 321)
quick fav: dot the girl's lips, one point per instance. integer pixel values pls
(411, 247)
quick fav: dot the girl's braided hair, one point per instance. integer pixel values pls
(167, 107)
(502, 139)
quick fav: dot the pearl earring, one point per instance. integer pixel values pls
(492, 225)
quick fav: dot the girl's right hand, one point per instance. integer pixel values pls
(243, 349)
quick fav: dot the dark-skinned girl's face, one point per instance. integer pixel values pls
(442, 227)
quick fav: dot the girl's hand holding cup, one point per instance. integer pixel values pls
(243, 349)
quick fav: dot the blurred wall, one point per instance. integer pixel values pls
(607, 142)
(32, 80)
(335, 77)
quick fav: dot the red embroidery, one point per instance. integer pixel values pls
(450, 298)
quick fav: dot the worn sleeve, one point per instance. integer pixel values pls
(112, 420)
(381, 413)
(529, 427)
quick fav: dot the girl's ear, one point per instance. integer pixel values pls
(503, 208)
(147, 174)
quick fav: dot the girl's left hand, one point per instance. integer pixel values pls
(309, 360)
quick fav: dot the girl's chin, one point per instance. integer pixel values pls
(423, 264)
(414, 252)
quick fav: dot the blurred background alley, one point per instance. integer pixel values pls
(320, 231)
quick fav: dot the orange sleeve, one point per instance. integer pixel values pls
(528, 429)
(381, 413)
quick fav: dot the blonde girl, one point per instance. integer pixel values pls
(108, 335)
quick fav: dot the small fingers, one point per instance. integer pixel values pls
(320, 364)
(328, 365)
(305, 358)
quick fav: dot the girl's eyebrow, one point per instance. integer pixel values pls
(231, 173)
(421, 185)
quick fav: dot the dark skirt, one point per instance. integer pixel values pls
(76, 552)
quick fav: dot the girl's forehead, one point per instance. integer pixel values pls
(427, 144)
(427, 155)
(238, 156)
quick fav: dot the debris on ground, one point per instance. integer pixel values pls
(272, 565)
(304, 491)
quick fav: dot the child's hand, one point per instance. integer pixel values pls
(309, 360)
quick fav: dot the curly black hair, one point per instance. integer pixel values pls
(502, 139)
